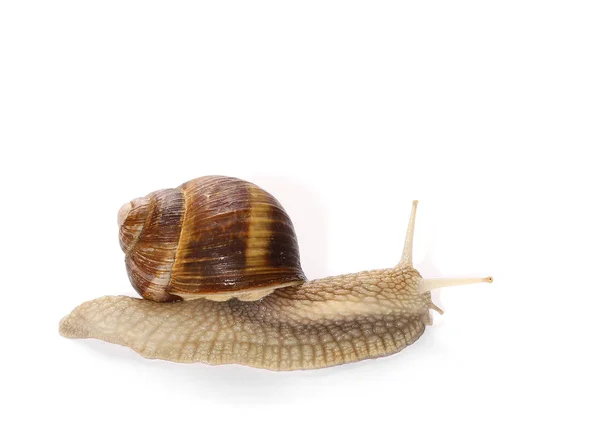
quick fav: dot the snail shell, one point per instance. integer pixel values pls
(214, 237)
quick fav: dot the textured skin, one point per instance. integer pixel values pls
(321, 323)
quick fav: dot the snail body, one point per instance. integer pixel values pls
(229, 288)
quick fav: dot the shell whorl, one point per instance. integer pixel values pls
(215, 237)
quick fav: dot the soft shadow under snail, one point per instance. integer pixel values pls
(217, 263)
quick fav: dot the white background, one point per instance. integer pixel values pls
(487, 112)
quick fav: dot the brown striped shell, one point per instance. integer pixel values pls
(215, 237)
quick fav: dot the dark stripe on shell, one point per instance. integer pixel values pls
(215, 237)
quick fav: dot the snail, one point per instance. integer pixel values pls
(217, 264)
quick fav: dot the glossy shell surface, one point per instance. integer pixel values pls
(214, 237)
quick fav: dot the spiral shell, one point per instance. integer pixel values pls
(215, 237)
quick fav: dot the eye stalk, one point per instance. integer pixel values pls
(433, 283)
(429, 284)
